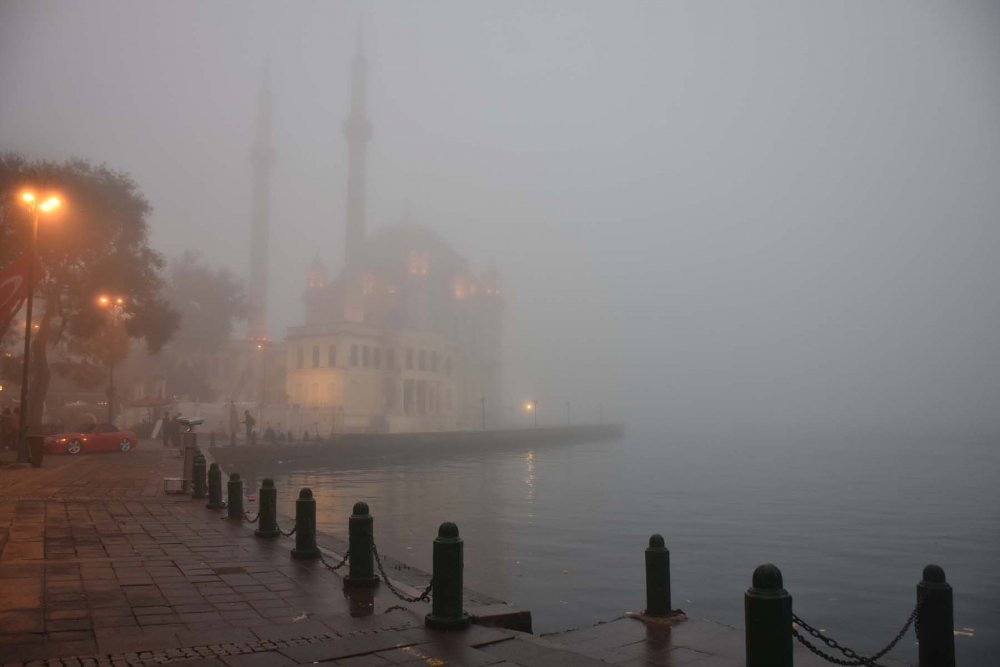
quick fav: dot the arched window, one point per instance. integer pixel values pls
(331, 355)
(315, 356)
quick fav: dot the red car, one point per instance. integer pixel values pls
(91, 438)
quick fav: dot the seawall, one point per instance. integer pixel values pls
(349, 447)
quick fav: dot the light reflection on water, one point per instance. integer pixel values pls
(561, 530)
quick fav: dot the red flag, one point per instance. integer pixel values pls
(14, 283)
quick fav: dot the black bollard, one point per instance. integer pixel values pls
(936, 620)
(215, 488)
(446, 601)
(768, 618)
(199, 477)
(360, 528)
(267, 524)
(657, 578)
(235, 504)
(305, 526)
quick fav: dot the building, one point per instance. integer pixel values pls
(406, 337)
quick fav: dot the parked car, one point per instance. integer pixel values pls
(91, 438)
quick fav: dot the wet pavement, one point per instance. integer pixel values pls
(99, 567)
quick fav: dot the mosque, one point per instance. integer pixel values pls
(405, 338)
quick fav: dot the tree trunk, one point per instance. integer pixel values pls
(38, 385)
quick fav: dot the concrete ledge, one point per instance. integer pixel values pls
(502, 616)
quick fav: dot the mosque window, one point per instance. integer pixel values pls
(331, 355)
(354, 355)
(377, 357)
(447, 366)
(315, 358)
(421, 360)
(299, 353)
(366, 353)
(390, 358)
(434, 361)
(409, 358)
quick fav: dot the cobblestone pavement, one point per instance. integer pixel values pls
(99, 567)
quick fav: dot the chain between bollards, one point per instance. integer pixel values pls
(423, 597)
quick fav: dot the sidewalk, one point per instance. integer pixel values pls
(99, 567)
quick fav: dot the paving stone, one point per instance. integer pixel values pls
(21, 593)
(21, 621)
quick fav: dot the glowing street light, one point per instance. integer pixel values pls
(33, 207)
(532, 406)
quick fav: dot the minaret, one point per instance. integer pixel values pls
(262, 158)
(358, 130)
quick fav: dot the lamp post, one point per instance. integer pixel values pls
(117, 305)
(482, 401)
(33, 207)
(263, 381)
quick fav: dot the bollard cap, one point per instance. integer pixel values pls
(305, 493)
(214, 466)
(268, 483)
(448, 531)
(767, 577)
(934, 574)
(656, 541)
(235, 477)
(360, 509)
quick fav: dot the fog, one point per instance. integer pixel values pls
(727, 221)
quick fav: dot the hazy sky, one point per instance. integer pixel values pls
(740, 219)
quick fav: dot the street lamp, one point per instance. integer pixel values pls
(532, 406)
(33, 207)
(117, 306)
(263, 380)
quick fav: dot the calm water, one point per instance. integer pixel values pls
(561, 530)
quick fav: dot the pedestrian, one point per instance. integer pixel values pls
(249, 422)
(175, 431)
(165, 429)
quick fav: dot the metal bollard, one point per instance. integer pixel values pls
(657, 578)
(936, 620)
(361, 528)
(199, 478)
(768, 618)
(235, 504)
(305, 526)
(267, 525)
(215, 488)
(446, 601)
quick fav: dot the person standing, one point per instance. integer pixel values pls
(165, 429)
(249, 422)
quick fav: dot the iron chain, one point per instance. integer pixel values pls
(423, 597)
(290, 532)
(339, 565)
(854, 659)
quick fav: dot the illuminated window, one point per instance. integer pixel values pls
(299, 353)
(377, 357)
(354, 355)
(409, 358)
(421, 356)
(315, 356)
(331, 355)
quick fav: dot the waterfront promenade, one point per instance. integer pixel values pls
(99, 567)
